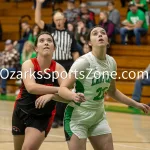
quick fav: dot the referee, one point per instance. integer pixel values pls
(65, 52)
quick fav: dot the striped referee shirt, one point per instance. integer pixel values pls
(65, 43)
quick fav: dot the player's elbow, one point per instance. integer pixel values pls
(30, 88)
(37, 21)
(59, 91)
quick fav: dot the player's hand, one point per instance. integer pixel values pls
(40, 1)
(145, 108)
(42, 100)
(78, 97)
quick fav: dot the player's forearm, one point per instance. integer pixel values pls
(38, 13)
(39, 89)
(117, 95)
(56, 97)
(65, 93)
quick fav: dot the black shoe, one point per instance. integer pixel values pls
(55, 125)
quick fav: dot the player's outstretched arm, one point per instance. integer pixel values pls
(117, 95)
(38, 20)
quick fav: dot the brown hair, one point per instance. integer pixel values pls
(89, 33)
(44, 32)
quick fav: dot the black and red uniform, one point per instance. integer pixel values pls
(25, 114)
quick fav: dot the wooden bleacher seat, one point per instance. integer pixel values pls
(145, 40)
(130, 50)
(136, 62)
(128, 87)
(11, 86)
(131, 58)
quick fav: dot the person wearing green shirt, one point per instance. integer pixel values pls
(141, 4)
(33, 36)
(135, 25)
(28, 52)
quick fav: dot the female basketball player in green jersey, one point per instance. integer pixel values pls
(92, 75)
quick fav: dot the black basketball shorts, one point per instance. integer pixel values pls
(21, 120)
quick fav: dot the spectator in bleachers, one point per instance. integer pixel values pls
(33, 35)
(27, 52)
(71, 27)
(135, 24)
(81, 35)
(87, 15)
(107, 24)
(71, 13)
(139, 83)
(141, 4)
(26, 32)
(86, 48)
(114, 16)
(9, 62)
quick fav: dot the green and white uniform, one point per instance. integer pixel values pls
(93, 77)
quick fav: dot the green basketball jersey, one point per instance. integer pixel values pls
(93, 79)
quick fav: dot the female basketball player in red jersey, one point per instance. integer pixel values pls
(30, 125)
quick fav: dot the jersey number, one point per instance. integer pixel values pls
(100, 94)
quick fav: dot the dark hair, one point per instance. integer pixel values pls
(86, 43)
(110, 2)
(25, 22)
(35, 26)
(89, 33)
(41, 33)
(82, 20)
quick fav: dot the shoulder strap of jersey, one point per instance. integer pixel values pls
(52, 66)
(37, 67)
(36, 64)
